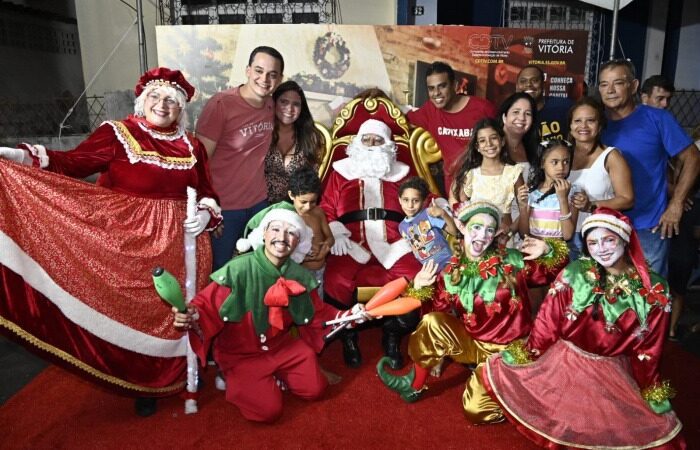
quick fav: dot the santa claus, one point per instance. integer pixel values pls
(361, 202)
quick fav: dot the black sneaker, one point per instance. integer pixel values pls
(145, 406)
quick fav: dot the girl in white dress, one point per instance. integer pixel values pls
(488, 172)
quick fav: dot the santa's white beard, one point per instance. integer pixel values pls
(373, 162)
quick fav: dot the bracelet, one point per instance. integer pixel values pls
(565, 217)
(592, 207)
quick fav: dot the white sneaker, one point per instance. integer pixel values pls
(220, 383)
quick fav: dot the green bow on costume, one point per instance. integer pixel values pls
(616, 295)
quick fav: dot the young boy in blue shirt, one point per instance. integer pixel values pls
(422, 228)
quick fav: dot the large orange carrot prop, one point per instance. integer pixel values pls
(401, 305)
(387, 293)
(381, 304)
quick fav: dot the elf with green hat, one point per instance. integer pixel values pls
(487, 287)
(253, 233)
(247, 314)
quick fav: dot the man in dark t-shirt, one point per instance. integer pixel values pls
(552, 114)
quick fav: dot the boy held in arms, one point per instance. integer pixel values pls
(422, 227)
(304, 192)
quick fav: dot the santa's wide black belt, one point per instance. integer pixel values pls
(371, 214)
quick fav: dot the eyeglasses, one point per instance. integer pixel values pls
(167, 101)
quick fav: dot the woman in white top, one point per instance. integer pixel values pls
(599, 175)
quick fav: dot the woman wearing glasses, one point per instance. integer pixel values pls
(76, 273)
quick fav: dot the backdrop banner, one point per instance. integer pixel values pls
(333, 63)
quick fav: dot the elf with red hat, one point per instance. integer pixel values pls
(76, 257)
(597, 344)
(480, 306)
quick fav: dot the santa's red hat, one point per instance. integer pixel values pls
(162, 76)
(621, 225)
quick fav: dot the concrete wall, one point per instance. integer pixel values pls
(368, 12)
(39, 51)
(63, 8)
(656, 37)
(430, 12)
(41, 72)
(688, 66)
(101, 24)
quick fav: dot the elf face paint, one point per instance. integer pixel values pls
(479, 233)
(605, 246)
(280, 240)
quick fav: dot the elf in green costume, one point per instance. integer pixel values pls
(596, 344)
(480, 305)
(247, 314)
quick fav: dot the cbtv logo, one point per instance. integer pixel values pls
(489, 42)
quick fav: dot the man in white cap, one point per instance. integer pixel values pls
(247, 314)
(361, 202)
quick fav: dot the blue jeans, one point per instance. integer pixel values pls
(575, 245)
(655, 250)
(235, 221)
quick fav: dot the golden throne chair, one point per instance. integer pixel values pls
(415, 146)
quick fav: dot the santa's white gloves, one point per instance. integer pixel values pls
(341, 246)
(198, 223)
(442, 204)
(16, 154)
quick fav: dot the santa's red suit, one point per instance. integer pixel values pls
(377, 252)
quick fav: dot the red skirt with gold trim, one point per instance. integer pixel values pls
(75, 278)
(570, 398)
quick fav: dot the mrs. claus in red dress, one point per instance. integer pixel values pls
(75, 258)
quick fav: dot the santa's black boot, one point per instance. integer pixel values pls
(351, 349)
(393, 329)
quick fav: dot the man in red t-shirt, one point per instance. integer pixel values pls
(236, 128)
(449, 116)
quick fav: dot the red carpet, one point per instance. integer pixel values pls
(60, 410)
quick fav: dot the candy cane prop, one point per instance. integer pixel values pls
(190, 291)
